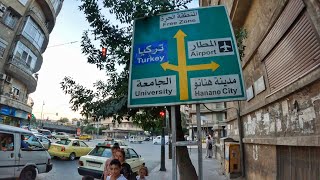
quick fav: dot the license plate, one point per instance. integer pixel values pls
(94, 165)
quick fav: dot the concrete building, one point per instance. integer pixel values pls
(212, 121)
(280, 119)
(25, 26)
(116, 130)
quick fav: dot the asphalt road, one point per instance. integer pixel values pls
(67, 170)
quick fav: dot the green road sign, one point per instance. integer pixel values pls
(185, 57)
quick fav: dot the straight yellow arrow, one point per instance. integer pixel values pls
(213, 66)
(182, 64)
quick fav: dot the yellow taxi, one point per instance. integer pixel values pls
(85, 137)
(69, 148)
(93, 164)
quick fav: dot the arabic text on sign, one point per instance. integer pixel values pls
(215, 86)
(179, 19)
(154, 52)
(210, 48)
(154, 87)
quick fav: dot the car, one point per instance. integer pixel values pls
(19, 161)
(61, 135)
(33, 141)
(85, 137)
(110, 142)
(157, 140)
(93, 164)
(134, 139)
(69, 148)
(45, 132)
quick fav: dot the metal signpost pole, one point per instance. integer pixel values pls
(200, 176)
(174, 139)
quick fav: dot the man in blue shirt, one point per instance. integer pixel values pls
(24, 145)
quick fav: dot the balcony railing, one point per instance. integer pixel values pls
(22, 65)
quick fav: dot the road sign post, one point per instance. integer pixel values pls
(185, 57)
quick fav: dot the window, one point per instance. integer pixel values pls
(25, 54)
(33, 33)
(7, 142)
(133, 154)
(82, 144)
(30, 143)
(219, 116)
(3, 46)
(63, 142)
(101, 151)
(75, 143)
(11, 19)
(15, 91)
(23, 2)
(55, 4)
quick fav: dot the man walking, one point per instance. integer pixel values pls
(209, 147)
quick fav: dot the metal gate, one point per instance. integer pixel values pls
(298, 163)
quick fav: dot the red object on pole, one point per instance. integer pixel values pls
(104, 52)
(162, 114)
(29, 117)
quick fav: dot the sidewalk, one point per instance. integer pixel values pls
(210, 167)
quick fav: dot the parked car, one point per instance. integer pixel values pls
(19, 162)
(85, 137)
(135, 139)
(32, 141)
(45, 132)
(69, 148)
(157, 140)
(93, 164)
(61, 135)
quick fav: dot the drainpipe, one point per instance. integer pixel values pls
(240, 127)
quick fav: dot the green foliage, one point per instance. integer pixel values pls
(241, 34)
(109, 99)
(63, 120)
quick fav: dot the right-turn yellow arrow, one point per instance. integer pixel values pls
(213, 66)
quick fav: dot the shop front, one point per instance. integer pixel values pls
(13, 117)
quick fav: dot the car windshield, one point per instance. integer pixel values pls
(101, 151)
(46, 132)
(63, 141)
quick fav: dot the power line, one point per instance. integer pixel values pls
(62, 44)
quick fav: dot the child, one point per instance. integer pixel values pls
(143, 172)
(115, 168)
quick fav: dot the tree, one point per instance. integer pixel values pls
(63, 120)
(110, 98)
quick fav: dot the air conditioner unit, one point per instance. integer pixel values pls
(8, 79)
(2, 76)
(3, 9)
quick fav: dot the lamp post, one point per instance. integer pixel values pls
(42, 110)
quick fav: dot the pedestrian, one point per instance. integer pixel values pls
(143, 172)
(209, 147)
(115, 168)
(106, 170)
(125, 167)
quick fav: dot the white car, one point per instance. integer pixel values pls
(93, 164)
(61, 135)
(157, 140)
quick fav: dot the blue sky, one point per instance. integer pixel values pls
(65, 60)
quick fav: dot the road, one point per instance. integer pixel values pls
(65, 169)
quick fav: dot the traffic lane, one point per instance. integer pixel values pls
(149, 152)
(61, 170)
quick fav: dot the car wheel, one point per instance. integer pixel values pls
(28, 173)
(72, 156)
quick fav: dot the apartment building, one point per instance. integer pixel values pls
(280, 119)
(25, 26)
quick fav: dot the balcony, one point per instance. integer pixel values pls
(14, 101)
(49, 12)
(20, 70)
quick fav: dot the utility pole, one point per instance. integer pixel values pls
(163, 117)
(42, 110)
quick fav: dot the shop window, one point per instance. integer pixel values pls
(7, 142)
(33, 33)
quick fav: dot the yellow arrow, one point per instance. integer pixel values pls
(166, 66)
(212, 66)
(182, 64)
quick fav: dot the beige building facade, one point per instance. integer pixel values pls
(280, 120)
(25, 26)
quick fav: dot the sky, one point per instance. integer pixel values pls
(65, 60)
